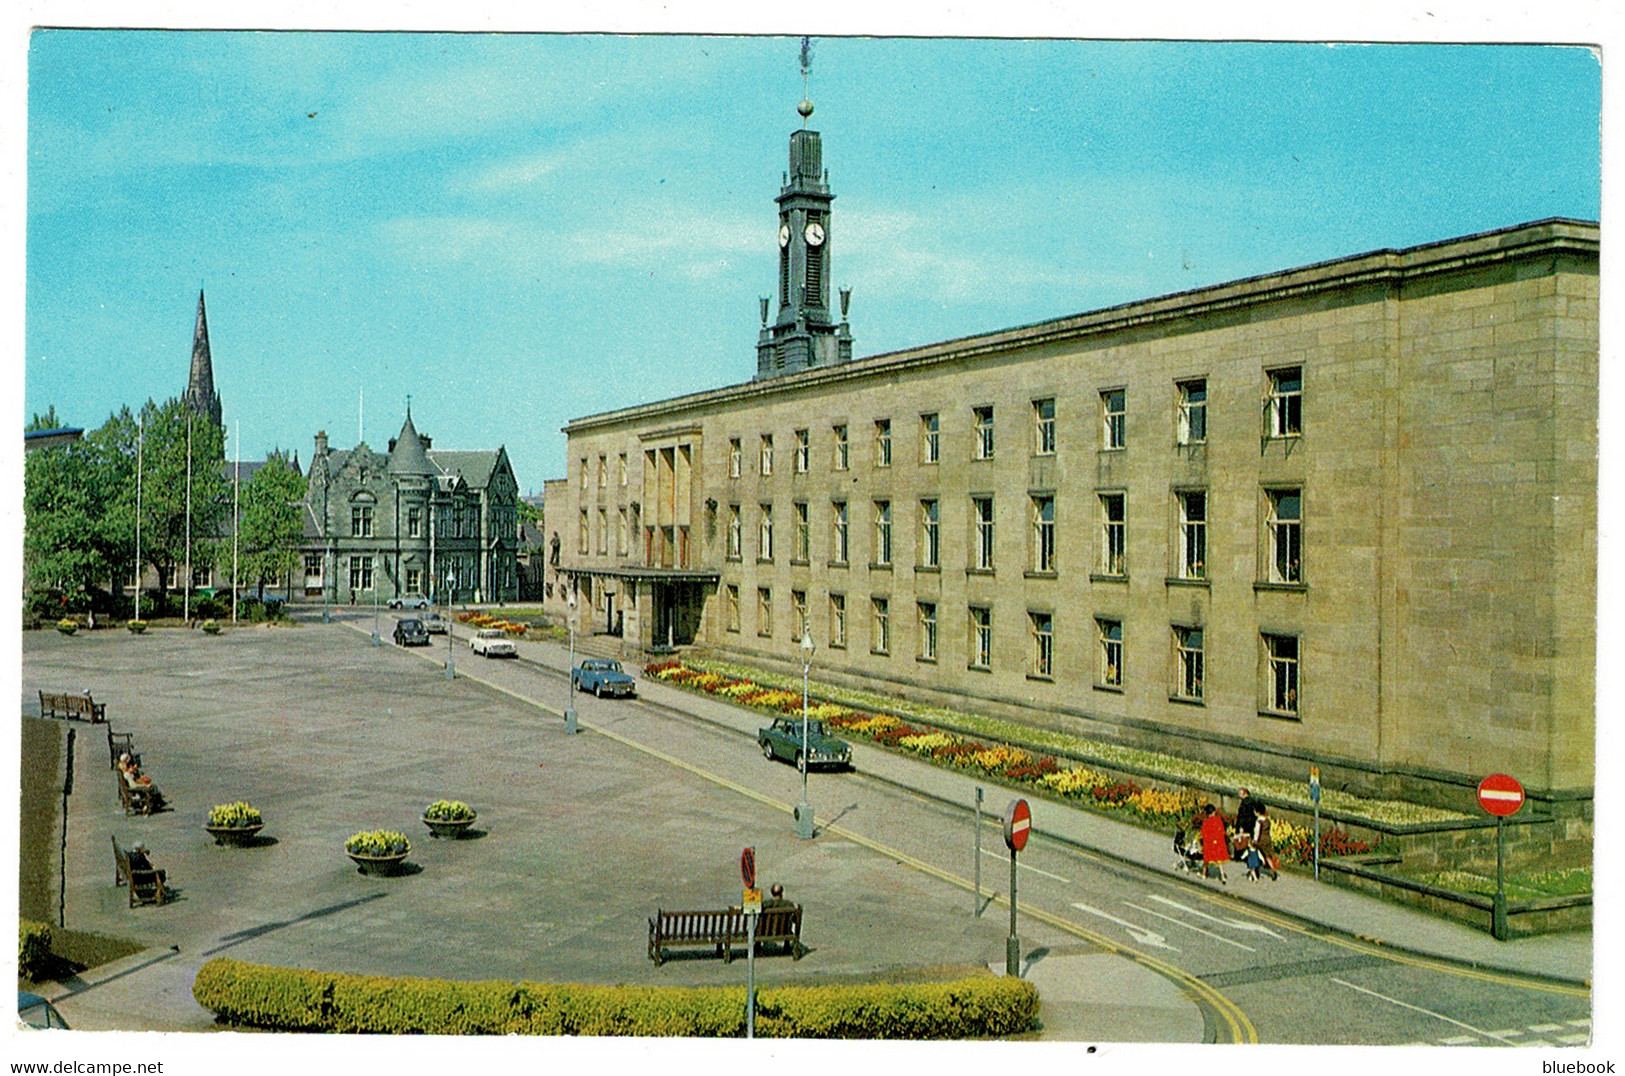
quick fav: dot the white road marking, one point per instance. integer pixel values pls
(1187, 926)
(1237, 924)
(1023, 866)
(1425, 1012)
(1139, 933)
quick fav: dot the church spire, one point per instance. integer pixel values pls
(200, 395)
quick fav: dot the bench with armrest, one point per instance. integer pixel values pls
(67, 704)
(146, 883)
(138, 798)
(722, 930)
(120, 743)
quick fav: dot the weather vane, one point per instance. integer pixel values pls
(806, 106)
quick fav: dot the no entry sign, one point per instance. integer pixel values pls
(1500, 795)
(1018, 823)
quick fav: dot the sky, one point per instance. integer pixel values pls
(516, 230)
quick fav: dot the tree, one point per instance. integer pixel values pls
(61, 506)
(269, 526)
(164, 487)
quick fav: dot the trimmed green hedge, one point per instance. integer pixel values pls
(33, 948)
(292, 999)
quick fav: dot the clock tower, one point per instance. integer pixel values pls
(803, 335)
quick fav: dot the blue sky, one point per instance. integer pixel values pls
(518, 230)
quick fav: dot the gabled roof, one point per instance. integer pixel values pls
(474, 468)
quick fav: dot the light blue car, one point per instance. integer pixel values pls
(604, 676)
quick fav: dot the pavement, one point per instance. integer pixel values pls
(546, 897)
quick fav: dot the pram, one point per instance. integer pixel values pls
(1189, 856)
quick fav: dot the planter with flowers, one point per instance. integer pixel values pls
(136, 626)
(67, 625)
(378, 851)
(448, 818)
(211, 628)
(236, 824)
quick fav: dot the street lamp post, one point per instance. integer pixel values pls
(570, 672)
(376, 641)
(804, 811)
(451, 669)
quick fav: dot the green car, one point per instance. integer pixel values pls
(782, 739)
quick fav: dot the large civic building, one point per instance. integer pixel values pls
(1341, 515)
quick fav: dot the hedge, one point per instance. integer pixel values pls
(33, 948)
(293, 999)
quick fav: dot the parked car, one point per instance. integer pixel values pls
(409, 601)
(492, 643)
(35, 1011)
(783, 739)
(433, 623)
(604, 676)
(411, 632)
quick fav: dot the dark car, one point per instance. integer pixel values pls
(411, 632)
(604, 676)
(783, 739)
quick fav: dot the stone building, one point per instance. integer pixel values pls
(1341, 515)
(411, 519)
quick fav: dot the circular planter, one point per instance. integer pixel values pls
(211, 629)
(67, 629)
(236, 836)
(136, 626)
(448, 828)
(378, 865)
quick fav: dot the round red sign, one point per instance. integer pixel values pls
(747, 867)
(1500, 795)
(1018, 823)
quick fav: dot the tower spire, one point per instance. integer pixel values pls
(200, 395)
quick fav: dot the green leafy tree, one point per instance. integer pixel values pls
(61, 507)
(164, 487)
(269, 524)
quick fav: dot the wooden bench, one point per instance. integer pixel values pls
(139, 800)
(146, 885)
(75, 707)
(120, 743)
(723, 930)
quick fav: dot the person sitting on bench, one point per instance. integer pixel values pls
(139, 861)
(139, 782)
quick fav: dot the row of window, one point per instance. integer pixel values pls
(450, 524)
(603, 471)
(363, 573)
(1279, 653)
(1283, 533)
(1283, 410)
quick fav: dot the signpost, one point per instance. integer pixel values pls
(1018, 824)
(750, 902)
(976, 830)
(1314, 797)
(1501, 796)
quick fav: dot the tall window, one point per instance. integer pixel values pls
(1188, 663)
(1043, 633)
(764, 611)
(798, 614)
(360, 573)
(736, 457)
(1286, 402)
(1110, 634)
(803, 538)
(1113, 411)
(930, 443)
(1193, 411)
(1281, 651)
(1192, 535)
(1044, 427)
(583, 472)
(622, 470)
(730, 606)
(414, 580)
(622, 534)
(883, 442)
(837, 534)
(837, 620)
(1285, 525)
(981, 637)
(603, 531)
(736, 533)
(1113, 534)
(882, 532)
(582, 534)
(930, 534)
(764, 532)
(982, 538)
(984, 433)
(603, 472)
(361, 520)
(414, 522)
(928, 630)
(843, 450)
(767, 455)
(880, 637)
(1044, 534)
(803, 452)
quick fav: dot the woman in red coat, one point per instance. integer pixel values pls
(1215, 849)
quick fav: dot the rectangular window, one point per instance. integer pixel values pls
(583, 472)
(843, 456)
(1113, 405)
(982, 538)
(603, 472)
(313, 564)
(838, 535)
(1043, 632)
(736, 457)
(1113, 534)
(1110, 634)
(621, 534)
(583, 537)
(1188, 663)
(928, 630)
(1286, 402)
(414, 522)
(930, 443)
(930, 534)
(361, 520)
(360, 573)
(1281, 651)
(882, 532)
(837, 620)
(981, 637)
(1285, 525)
(883, 442)
(766, 464)
(1044, 427)
(764, 611)
(1192, 535)
(736, 533)
(603, 531)
(1193, 412)
(414, 580)
(764, 532)
(803, 451)
(984, 433)
(621, 471)
(730, 606)
(803, 537)
(880, 639)
(1044, 534)
(798, 614)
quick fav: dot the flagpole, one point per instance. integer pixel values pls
(236, 516)
(140, 445)
(186, 592)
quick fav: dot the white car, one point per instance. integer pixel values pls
(492, 643)
(409, 601)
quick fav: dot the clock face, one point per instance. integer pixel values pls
(815, 234)
(784, 235)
